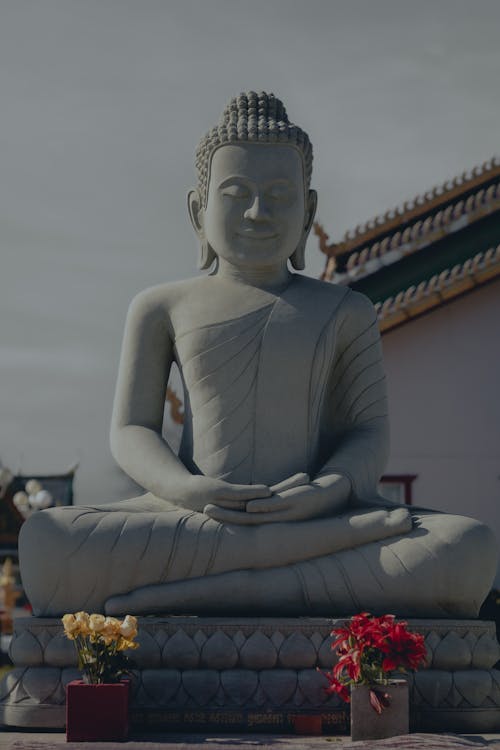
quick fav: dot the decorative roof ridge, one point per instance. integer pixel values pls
(441, 287)
(419, 234)
(411, 209)
(447, 190)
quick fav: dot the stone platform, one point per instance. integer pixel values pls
(253, 674)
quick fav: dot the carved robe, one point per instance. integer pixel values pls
(281, 389)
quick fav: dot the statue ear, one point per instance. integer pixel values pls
(197, 215)
(297, 259)
(195, 210)
(312, 205)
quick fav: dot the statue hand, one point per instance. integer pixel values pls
(200, 490)
(325, 495)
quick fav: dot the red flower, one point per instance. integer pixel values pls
(403, 649)
(368, 647)
(336, 687)
(351, 664)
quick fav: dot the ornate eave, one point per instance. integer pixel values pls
(439, 289)
(433, 249)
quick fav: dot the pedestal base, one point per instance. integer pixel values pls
(256, 674)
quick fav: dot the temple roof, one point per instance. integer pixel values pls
(416, 257)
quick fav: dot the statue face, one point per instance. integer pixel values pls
(255, 213)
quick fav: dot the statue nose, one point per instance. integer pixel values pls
(257, 210)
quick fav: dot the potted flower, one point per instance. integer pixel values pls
(370, 650)
(97, 705)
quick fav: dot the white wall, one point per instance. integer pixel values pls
(444, 377)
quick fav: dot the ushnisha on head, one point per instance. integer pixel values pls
(253, 119)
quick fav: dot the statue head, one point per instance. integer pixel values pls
(249, 121)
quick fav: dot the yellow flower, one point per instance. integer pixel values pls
(124, 644)
(82, 619)
(128, 628)
(111, 628)
(71, 626)
(96, 623)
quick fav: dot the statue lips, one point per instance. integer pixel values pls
(251, 235)
(258, 231)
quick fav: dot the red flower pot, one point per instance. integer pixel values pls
(96, 712)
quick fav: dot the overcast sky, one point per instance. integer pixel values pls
(102, 105)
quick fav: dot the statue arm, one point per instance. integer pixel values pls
(136, 427)
(136, 441)
(357, 408)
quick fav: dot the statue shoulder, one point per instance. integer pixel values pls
(347, 302)
(320, 291)
(359, 305)
(162, 299)
(357, 315)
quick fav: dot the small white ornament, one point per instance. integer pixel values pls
(20, 500)
(33, 486)
(42, 499)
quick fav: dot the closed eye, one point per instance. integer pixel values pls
(236, 191)
(281, 192)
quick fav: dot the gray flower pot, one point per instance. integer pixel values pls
(367, 724)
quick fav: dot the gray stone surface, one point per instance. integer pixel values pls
(233, 741)
(255, 674)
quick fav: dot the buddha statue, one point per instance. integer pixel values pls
(271, 505)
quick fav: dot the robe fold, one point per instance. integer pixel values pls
(286, 387)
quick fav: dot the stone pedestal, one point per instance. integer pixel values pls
(253, 673)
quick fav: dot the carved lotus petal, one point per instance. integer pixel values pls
(239, 685)
(258, 652)
(60, 652)
(432, 687)
(160, 685)
(297, 652)
(149, 653)
(239, 639)
(432, 641)
(41, 684)
(45, 636)
(452, 653)
(312, 685)
(201, 685)
(181, 651)
(11, 686)
(160, 636)
(219, 652)
(25, 650)
(326, 657)
(495, 686)
(279, 685)
(473, 685)
(486, 652)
